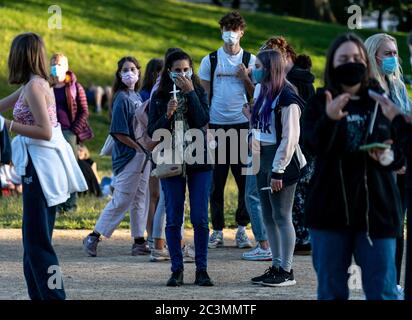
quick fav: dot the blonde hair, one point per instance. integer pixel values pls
(86, 151)
(59, 56)
(395, 83)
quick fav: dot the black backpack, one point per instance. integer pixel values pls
(213, 64)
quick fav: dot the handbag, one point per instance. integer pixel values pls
(175, 167)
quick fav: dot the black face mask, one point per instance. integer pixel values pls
(349, 74)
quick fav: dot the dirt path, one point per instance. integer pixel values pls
(115, 274)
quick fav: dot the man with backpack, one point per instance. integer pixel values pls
(225, 76)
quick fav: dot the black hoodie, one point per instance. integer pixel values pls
(349, 190)
(303, 80)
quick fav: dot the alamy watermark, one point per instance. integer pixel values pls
(55, 21)
(191, 147)
(355, 20)
(55, 281)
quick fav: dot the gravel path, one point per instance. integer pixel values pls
(115, 274)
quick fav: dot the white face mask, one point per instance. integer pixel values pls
(59, 72)
(231, 37)
(129, 78)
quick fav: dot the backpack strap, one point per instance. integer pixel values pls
(245, 60)
(213, 65)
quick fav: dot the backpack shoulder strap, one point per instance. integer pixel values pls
(246, 58)
(213, 65)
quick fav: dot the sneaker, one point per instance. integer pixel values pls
(90, 245)
(303, 249)
(242, 240)
(216, 240)
(157, 255)
(203, 279)
(150, 243)
(270, 272)
(401, 292)
(140, 249)
(281, 278)
(176, 279)
(188, 253)
(258, 254)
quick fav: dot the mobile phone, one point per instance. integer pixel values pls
(375, 145)
(373, 93)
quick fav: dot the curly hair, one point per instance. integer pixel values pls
(282, 45)
(232, 21)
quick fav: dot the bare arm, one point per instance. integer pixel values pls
(94, 168)
(36, 99)
(206, 85)
(9, 101)
(126, 140)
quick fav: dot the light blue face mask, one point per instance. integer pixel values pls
(258, 75)
(53, 71)
(389, 65)
(173, 75)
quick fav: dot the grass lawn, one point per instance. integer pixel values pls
(95, 34)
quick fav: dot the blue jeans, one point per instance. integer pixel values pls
(39, 255)
(199, 184)
(332, 252)
(254, 208)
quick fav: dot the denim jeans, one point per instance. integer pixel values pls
(174, 188)
(254, 208)
(332, 253)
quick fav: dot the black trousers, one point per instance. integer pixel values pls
(220, 174)
(39, 259)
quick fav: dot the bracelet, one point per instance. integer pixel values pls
(11, 125)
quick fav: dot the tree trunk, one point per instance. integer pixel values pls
(217, 3)
(380, 19)
(236, 4)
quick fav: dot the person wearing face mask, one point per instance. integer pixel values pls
(383, 55)
(72, 111)
(225, 76)
(189, 106)
(131, 173)
(353, 206)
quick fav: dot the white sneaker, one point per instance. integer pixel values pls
(242, 241)
(258, 254)
(188, 253)
(216, 239)
(401, 292)
(157, 255)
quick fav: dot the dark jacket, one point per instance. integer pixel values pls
(78, 108)
(349, 190)
(197, 116)
(303, 80)
(5, 147)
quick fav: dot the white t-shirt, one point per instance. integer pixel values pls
(228, 90)
(266, 135)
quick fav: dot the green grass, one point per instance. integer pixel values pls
(97, 33)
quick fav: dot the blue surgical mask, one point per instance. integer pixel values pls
(258, 75)
(173, 75)
(389, 65)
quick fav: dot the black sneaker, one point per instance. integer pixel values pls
(203, 279)
(267, 274)
(176, 279)
(281, 278)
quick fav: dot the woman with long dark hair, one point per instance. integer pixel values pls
(191, 109)
(131, 171)
(353, 206)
